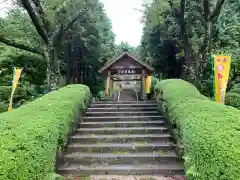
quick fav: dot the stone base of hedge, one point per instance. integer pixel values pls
(210, 132)
(31, 135)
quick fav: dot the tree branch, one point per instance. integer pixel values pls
(177, 42)
(202, 18)
(63, 28)
(206, 9)
(41, 31)
(42, 15)
(216, 11)
(17, 45)
(174, 10)
(182, 24)
(202, 48)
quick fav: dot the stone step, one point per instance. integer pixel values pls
(122, 124)
(122, 118)
(121, 138)
(97, 159)
(124, 102)
(121, 109)
(133, 177)
(123, 169)
(127, 130)
(123, 105)
(119, 113)
(127, 147)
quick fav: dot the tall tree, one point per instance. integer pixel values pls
(51, 35)
(126, 47)
(189, 26)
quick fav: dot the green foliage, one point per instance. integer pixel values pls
(125, 47)
(235, 90)
(154, 81)
(209, 131)
(88, 44)
(5, 92)
(83, 48)
(236, 86)
(20, 97)
(157, 48)
(32, 80)
(102, 96)
(32, 134)
(18, 26)
(34, 68)
(3, 107)
(162, 43)
(233, 99)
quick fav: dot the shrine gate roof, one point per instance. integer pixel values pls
(131, 59)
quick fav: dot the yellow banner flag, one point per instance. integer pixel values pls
(16, 76)
(222, 65)
(148, 84)
(111, 87)
(107, 86)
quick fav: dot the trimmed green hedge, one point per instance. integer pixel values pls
(210, 132)
(31, 135)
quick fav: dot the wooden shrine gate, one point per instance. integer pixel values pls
(130, 72)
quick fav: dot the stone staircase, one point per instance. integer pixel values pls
(127, 138)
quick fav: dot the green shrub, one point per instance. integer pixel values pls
(233, 99)
(5, 92)
(102, 96)
(31, 135)
(154, 81)
(236, 86)
(3, 107)
(209, 131)
(20, 96)
(235, 90)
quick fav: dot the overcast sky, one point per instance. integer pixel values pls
(125, 20)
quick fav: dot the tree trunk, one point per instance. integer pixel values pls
(47, 57)
(190, 66)
(53, 71)
(204, 56)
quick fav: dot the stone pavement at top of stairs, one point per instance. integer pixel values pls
(137, 178)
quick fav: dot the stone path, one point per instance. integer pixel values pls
(128, 95)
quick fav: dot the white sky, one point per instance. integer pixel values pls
(125, 19)
(4, 6)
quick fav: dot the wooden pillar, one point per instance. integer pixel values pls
(141, 87)
(110, 84)
(143, 94)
